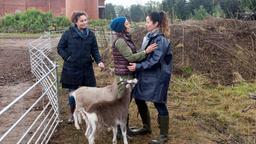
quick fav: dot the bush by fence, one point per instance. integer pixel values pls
(33, 21)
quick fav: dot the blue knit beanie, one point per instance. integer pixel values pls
(117, 24)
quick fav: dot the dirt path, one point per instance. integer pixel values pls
(14, 61)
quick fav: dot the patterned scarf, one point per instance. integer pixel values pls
(83, 34)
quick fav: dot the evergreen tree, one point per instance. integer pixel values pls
(152, 6)
(110, 12)
(218, 12)
(181, 9)
(196, 4)
(231, 8)
(249, 5)
(121, 11)
(136, 13)
(200, 14)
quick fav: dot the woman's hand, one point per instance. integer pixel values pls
(101, 65)
(151, 48)
(132, 67)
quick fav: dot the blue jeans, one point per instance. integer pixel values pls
(71, 100)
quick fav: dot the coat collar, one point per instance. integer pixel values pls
(148, 37)
(156, 32)
(78, 34)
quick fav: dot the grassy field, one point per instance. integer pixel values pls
(199, 113)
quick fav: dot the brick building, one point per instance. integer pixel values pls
(94, 8)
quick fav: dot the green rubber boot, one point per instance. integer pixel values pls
(146, 129)
(163, 122)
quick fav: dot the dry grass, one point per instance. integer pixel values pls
(199, 113)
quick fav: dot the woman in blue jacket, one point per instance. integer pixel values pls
(154, 75)
(77, 47)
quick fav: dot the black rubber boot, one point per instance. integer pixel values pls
(120, 136)
(163, 122)
(145, 116)
(129, 131)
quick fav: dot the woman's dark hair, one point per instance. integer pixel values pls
(76, 14)
(163, 21)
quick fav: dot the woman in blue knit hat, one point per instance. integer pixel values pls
(124, 52)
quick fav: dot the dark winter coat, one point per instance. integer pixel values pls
(77, 52)
(154, 72)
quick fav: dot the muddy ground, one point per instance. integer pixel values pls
(15, 75)
(15, 78)
(14, 61)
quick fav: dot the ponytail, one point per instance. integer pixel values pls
(164, 24)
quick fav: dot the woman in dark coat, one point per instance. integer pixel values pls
(77, 47)
(154, 75)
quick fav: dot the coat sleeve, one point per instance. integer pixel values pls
(154, 58)
(95, 50)
(62, 46)
(126, 52)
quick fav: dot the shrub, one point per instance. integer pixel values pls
(99, 23)
(31, 20)
(218, 12)
(200, 14)
(60, 22)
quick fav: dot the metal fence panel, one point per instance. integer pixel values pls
(35, 126)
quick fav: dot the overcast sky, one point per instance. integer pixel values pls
(127, 3)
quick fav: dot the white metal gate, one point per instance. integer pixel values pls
(40, 118)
